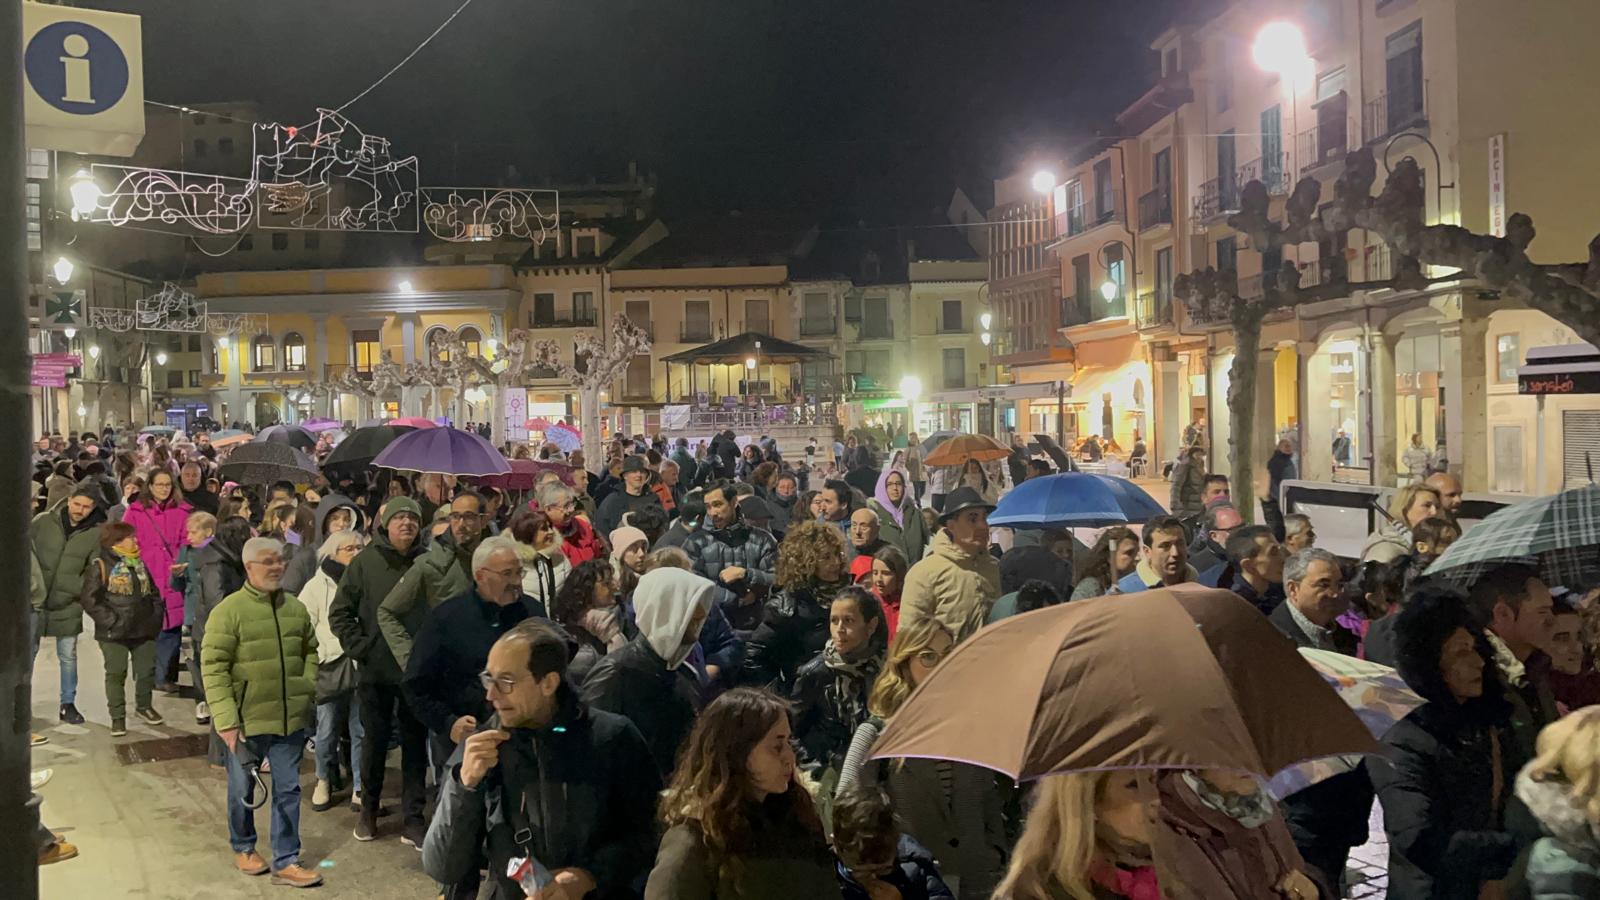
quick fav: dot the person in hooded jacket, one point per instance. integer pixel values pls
(899, 521)
(353, 615)
(876, 857)
(442, 572)
(1447, 776)
(646, 680)
(546, 778)
(335, 554)
(334, 513)
(160, 520)
(811, 569)
(1561, 788)
(740, 561)
(65, 541)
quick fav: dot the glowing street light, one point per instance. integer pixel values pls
(82, 410)
(1044, 181)
(63, 269)
(750, 363)
(94, 351)
(911, 388)
(1280, 47)
(70, 333)
(85, 193)
(405, 287)
(986, 337)
(161, 358)
(1108, 290)
(985, 320)
(222, 341)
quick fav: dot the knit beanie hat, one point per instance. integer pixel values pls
(399, 505)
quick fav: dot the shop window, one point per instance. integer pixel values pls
(1507, 358)
(294, 352)
(263, 354)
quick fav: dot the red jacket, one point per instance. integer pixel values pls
(579, 542)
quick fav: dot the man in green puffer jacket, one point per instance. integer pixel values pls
(259, 663)
(64, 540)
(442, 573)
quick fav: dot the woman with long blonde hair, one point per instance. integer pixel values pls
(1561, 787)
(1088, 837)
(955, 807)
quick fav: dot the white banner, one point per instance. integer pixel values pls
(514, 403)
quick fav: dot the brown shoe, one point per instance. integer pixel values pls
(57, 852)
(296, 876)
(250, 863)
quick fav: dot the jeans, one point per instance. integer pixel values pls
(118, 656)
(329, 715)
(66, 658)
(382, 706)
(168, 643)
(284, 753)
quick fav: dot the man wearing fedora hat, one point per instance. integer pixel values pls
(632, 497)
(958, 581)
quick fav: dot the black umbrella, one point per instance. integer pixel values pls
(265, 462)
(357, 451)
(293, 435)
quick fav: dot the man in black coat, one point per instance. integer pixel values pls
(739, 560)
(646, 680)
(688, 469)
(633, 496)
(546, 777)
(1330, 817)
(1254, 569)
(1209, 548)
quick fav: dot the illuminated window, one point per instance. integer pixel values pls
(263, 354)
(1507, 357)
(365, 348)
(473, 339)
(294, 352)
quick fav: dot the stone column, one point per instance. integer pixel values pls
(326, 401)
(408, 337)
(1170, 412)
(1464, 345)
(1316, 452)
(1384, 446)
(237, 345)
(1266, 422)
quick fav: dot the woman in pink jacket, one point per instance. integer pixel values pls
(159, 518)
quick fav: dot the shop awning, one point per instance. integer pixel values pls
(733, 351)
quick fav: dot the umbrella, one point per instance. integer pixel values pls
(413, 422)
(1559, 534)
(957, 450)
(564, 436)
(935, 439)
(1185, 677)
(539, 424)
(161, 430)
(443, 451)
(229, 437)
(293, 435)
(525, 474)
(316, 426)
(1075, 500)
(1375, 693)
(363, 446)
(264, 462)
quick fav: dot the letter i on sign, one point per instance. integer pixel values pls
(75, 67)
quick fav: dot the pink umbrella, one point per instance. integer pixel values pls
(414, 422)
(539, 424)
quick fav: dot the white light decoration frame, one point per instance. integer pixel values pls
(235, 324)
(112, 319)
(150, 198)
(332, 176)
(464, 214)
(171, 309)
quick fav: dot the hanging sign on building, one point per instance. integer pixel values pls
(1497, 185)
(85, 80)
(514, 402)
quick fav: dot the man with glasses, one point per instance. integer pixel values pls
(259, 663)
(545, 777)
(443, 572)
(452, 647)
(353, 615)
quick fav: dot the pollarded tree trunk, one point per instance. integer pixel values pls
(1242, 411)
(589, 424)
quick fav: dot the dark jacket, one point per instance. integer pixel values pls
(794, 629)
(583, 787)
(303, 567)
(451, 648)
(783, 861)
(1280, 468)
(714, 549)
(618, 503)
(1565, 862)
(64, 552)
(353, 616)
(203, 501)
(823, 723)
(634, 682)
(1206, 554)
(125, 609)
(1226, 577)
(221, 575)
(687, 469)
(443, 571)
(914, 875)
(1345, 641)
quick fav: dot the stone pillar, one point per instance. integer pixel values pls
(1266, 420)
(408, 338)
(236, 350)
(1170, 412)
(1466, 381)
(1384, 445)
(1316, 453)
(325, 400)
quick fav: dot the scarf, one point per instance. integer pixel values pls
(1249, 810)
(853, 676)
(1129, 871)
(333, 569)
(128, 576)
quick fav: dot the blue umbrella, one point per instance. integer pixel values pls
(1075, 500)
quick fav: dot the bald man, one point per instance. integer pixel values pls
(1449, 488)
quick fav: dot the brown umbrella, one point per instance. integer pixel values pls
(957, 450)
(1183, 677)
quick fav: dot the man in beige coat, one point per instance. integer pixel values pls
(958, 581)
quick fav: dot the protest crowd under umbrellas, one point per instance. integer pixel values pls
(1038, 450)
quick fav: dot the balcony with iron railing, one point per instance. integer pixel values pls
(694, 332)
(1390, 113)
(1324, 145)
(1377, 262)
(1217, 198)
(1084, 217)
(1153, 311)
(1272, 171)
(810, 327)
(579, 319)
(1155, 208)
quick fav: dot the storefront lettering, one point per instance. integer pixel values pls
(1552, 384)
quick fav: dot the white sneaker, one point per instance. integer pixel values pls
(321, 796)
(38, 778)
(202, 713)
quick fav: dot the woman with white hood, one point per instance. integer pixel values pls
(647, 680)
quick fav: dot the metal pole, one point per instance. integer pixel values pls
(19, 869)
(1538, 453)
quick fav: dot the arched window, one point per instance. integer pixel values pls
(263, 354)
(294, 352)
(472, 339)
(429, 338)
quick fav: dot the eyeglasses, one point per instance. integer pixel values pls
(505, 684)
(930, 657)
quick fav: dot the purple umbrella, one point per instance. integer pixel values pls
(319, 425)
(443, 451)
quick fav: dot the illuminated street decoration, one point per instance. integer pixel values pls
(488, 214)
(231, 324)
(332, 176)
(171, 309)
(112, 319)
(211, 204)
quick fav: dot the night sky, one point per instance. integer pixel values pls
(749, 104)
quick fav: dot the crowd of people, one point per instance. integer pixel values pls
(664, 677)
